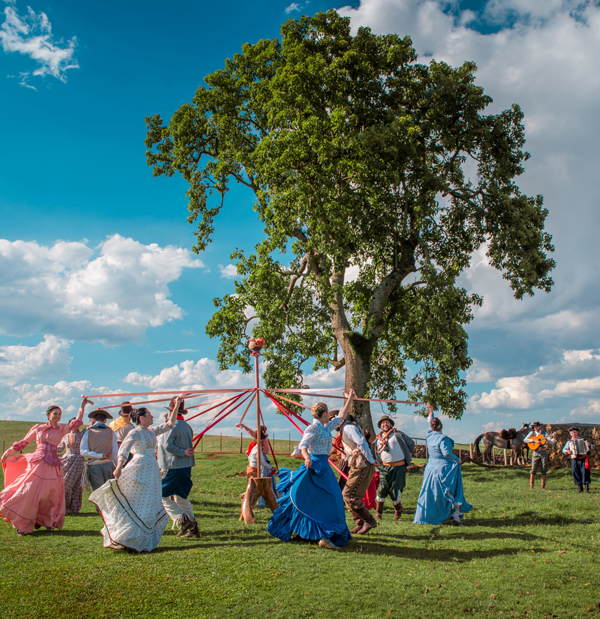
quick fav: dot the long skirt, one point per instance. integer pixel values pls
(131, 507)
(311, 505)
(72, 467)
(35, 497)
(441, 493)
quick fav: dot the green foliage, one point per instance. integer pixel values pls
(360, 160)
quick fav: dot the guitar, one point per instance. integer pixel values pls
(539, 440)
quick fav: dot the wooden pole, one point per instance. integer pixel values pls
(506, 457)
(471, 450)
(241, 443)
(460, 454)
(289, 442)
(258, 442)
(426, 454)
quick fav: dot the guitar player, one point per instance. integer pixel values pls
(538, 442)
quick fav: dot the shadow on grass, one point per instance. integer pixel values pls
(528, 518)
(367, 547)
(67, 533)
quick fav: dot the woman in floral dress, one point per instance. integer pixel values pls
(131, 504)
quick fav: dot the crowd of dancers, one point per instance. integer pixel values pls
(140, 476)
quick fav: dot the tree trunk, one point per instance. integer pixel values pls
(357, 352)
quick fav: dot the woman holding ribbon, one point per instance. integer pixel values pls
(442, 493)
(37, 497)
(311, 503)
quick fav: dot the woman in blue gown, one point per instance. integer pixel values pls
(442, 495)
(311, 503)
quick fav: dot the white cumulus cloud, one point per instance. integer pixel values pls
(31, 35)
(20, 363)
(229, 271)
(111, 293)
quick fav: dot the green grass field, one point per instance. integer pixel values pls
(521, 553)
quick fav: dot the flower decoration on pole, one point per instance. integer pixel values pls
(255, 345)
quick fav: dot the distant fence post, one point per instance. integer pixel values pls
(506, 457)
(221, 443)
(471, 450)
(426, 454)
(241, 442)
(460, 454)
(289, 442)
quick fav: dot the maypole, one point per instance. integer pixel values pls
(257, 486)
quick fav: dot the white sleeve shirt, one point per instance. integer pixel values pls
(354, 434)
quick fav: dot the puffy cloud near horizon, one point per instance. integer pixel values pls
(19, 363)
(31, 35)
(23, 396)
(111, 293)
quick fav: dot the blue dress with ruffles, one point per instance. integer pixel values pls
(311, 504)
(442, 489)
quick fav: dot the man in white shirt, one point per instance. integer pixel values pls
(540, 455)
(360, 474)
(394, 449)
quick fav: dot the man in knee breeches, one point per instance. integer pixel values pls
(362, 469)
(394, 449)
(539, 459)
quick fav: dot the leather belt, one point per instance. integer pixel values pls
(399, 463)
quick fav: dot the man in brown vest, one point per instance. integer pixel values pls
(362, 469)
(99, 445)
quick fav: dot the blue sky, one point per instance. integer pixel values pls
(97, 280)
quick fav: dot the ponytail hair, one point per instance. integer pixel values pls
(436, 424)
(318, 410)
(136, 413)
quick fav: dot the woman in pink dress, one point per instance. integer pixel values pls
(37, 497)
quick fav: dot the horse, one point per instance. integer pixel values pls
(506, 439)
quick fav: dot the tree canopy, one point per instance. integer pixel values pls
(376, 178)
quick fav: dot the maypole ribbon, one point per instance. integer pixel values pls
(281, 407)
(223, 415)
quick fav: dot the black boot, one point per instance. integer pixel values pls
(580, 486)
(587, 487)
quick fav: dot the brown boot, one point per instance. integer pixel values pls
(531, 481)
(378, 510)
(193, 532)
(186, 525)
(359, 525)
(543, 481)
(367, 526)
(398, 509)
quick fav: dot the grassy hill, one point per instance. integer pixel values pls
(520, 554)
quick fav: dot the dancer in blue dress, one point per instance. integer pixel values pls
(311, 503)
(442, 493)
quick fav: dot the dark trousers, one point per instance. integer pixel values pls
(581, 475)
(392, 480)
(100, 474)
(354, 491)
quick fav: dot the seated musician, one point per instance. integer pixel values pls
(538, 441)
(579, 449)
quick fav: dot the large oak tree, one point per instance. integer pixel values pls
(376, 178)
